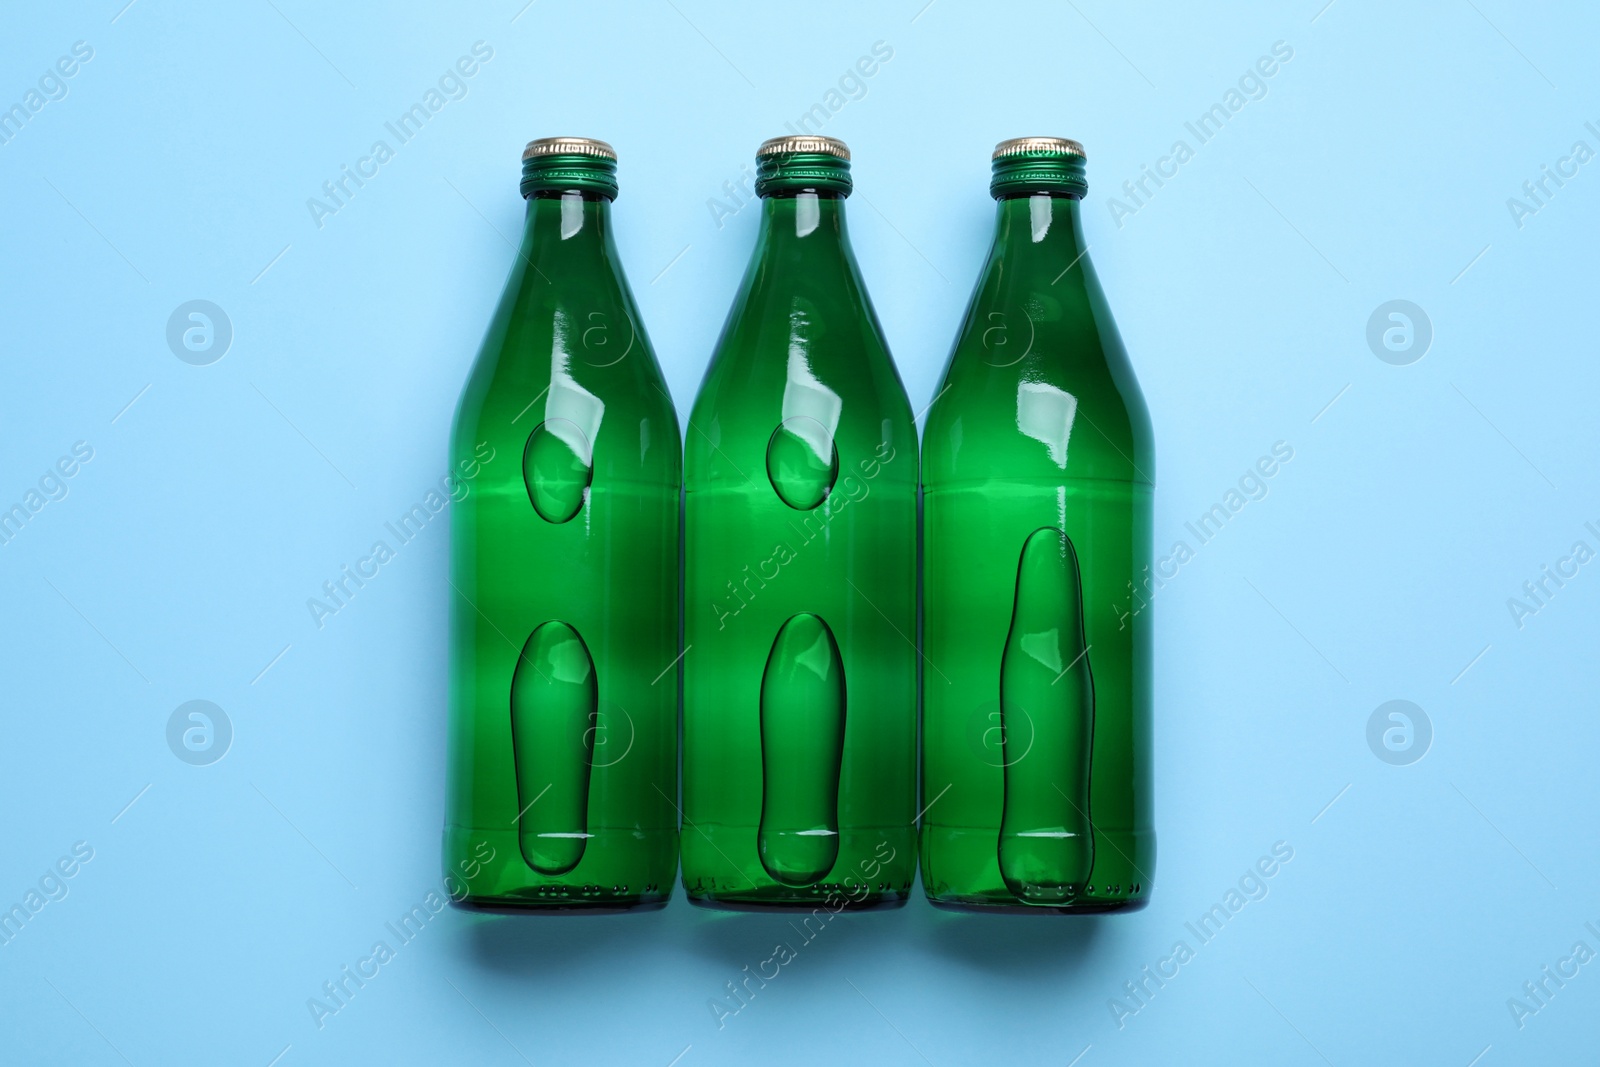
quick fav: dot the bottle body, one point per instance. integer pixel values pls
(564, 599)
(800, 586)
(1037, 500)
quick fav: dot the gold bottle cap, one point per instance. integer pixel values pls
(569, 146)
(830, 146)
(1061, 146)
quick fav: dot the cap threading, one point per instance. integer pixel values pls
(803, 162)
(566, 164)
(1049, 166)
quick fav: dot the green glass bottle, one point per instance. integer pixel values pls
(566, 467)
(799, 724)
(1038, 471)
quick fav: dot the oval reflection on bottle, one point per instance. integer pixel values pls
(802, 462)
(557, 466)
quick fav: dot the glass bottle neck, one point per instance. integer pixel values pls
(804, 217)
(1039, 229)
(568, 226)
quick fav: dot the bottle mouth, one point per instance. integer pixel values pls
(788, 165)
(1024, 166)
(569, 164)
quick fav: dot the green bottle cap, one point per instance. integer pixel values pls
(1024, 166)
(802, 161)
(562, 164)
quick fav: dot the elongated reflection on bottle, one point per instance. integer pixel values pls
(554, 697)
(1046, 840)
(802, 748)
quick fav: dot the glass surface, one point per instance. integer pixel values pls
(1037, 478)
(800, 613)
(564, 575)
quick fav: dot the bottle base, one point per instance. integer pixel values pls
(873, 872)
(501, 906)
(622, 869)
(976, 906)
(960, 872)
(883, 902)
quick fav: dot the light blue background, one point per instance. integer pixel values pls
(1378, 567)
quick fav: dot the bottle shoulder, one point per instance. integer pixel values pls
(588, 370)
(541, 331)
(1038, 377)
(786, 349)
(844, 401)
(801, 350)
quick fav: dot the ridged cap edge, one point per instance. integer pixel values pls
(569, 146)
(1060, 146)
(793, 143)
